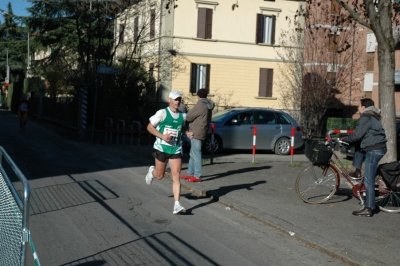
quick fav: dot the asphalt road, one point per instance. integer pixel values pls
(90, 206)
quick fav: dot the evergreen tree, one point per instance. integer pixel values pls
(13, 44)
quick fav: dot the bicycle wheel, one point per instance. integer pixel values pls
(388, 200)
(317, 184)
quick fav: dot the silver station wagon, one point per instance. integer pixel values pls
(234, 130)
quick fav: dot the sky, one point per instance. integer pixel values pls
(18, 6)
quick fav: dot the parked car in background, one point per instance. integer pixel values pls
(349, 150)
(234, 130)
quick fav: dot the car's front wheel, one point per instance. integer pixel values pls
(208, 144)
(282, 146)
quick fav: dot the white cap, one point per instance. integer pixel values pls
(175, 94)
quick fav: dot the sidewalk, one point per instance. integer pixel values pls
(266, 192)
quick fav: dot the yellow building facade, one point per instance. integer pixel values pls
(227, 47)
(232, 52)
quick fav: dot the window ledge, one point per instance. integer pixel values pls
(266, 98)
(270, 10)
(207, 40)
(208, 95)
(266, 44)
(212, 3)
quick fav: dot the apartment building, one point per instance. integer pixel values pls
(363, 81)
(335, 49)
(225, 46)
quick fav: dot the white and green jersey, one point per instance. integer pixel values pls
(165, 122)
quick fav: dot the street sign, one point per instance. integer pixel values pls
(108, 70)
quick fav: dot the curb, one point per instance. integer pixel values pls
(271, 223)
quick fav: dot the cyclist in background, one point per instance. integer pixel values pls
(371, 135)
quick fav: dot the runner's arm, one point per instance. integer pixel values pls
(155, 132)
(154, 121)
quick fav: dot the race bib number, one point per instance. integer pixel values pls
(173, 133)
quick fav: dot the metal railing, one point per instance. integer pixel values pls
(122, 130)
(14, 215)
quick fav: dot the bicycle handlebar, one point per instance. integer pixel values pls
(338, 131)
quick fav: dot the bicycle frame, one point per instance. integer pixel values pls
(339, 167)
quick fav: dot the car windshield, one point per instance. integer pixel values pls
(218, 117)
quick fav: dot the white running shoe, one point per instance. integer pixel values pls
(149, 176)
(178, 208)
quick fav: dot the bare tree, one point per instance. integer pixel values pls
(317, 54)
(381, 16)
(140, 41)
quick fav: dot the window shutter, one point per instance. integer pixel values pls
(209, 14)
(121, 33)
(273, 30)
(208, 70)
(151, 70)
(370, 62)
(270, 81)
(201, 23)
(193, 73)
(259, 28)
(136, 29)
(333, 43)
(335, 7)
(266, 82)
(152, 23)
(262, 91)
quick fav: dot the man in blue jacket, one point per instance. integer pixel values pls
(371, 135)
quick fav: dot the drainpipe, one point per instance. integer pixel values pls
(352, 65)
(159, 53)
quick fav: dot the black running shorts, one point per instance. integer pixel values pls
(164, 157)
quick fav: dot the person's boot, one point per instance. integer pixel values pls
(365, 212)
(355, 174)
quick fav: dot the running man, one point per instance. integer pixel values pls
(23, 107)
(167, 125)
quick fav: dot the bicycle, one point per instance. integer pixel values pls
(318, 182)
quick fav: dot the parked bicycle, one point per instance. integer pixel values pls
(318, 182)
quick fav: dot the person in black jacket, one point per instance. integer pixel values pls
(371, 135)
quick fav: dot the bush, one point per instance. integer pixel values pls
(340, 123)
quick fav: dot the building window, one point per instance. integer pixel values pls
(151, 70)
(199, 77)
(136, 29)
(265, 29)
(121, 33)
(370, 62)
(204, 23)
(331, 78)
(266, 82)
(335, 7)
(152, 23)
(397, 47)
(333, 43)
